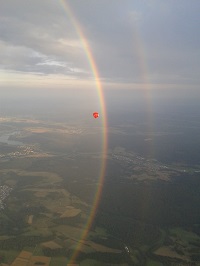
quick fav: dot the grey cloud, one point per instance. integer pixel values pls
(124, 37)
(40, 29)
(20, 58)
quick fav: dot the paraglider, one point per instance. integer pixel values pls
(96, 115)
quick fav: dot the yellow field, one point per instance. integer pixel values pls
(39, 260)
(25, 258)
(100, 248)
(51, 245)
(22, 259)
(19, 262)
(166, 251)
(30, 219)
(25, 255)
(70, 212)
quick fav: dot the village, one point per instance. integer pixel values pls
(142, 168)
(23, 151)
(139, 161)
(4, 193)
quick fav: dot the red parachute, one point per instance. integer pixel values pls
(96, 115)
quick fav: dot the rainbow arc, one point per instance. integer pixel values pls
(99, 89)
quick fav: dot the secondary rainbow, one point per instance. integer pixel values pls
(99, 88)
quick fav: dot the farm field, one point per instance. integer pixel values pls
(51, 194)
(49, 215)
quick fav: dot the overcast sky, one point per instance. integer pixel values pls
(132, 42)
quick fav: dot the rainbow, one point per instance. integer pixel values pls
(146, 84)
(99, 88)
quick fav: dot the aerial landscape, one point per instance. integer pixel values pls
(148, 211)
(99, 133)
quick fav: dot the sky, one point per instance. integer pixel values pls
(139, 44)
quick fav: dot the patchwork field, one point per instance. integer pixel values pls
(50, 217)
(50, 183)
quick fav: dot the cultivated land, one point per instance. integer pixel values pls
(44, 216)
(48, 185)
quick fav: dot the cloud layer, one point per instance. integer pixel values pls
(131, 41)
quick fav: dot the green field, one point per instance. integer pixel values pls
(61, 176)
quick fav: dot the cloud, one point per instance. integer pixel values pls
(127, 40)
(25, 34)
